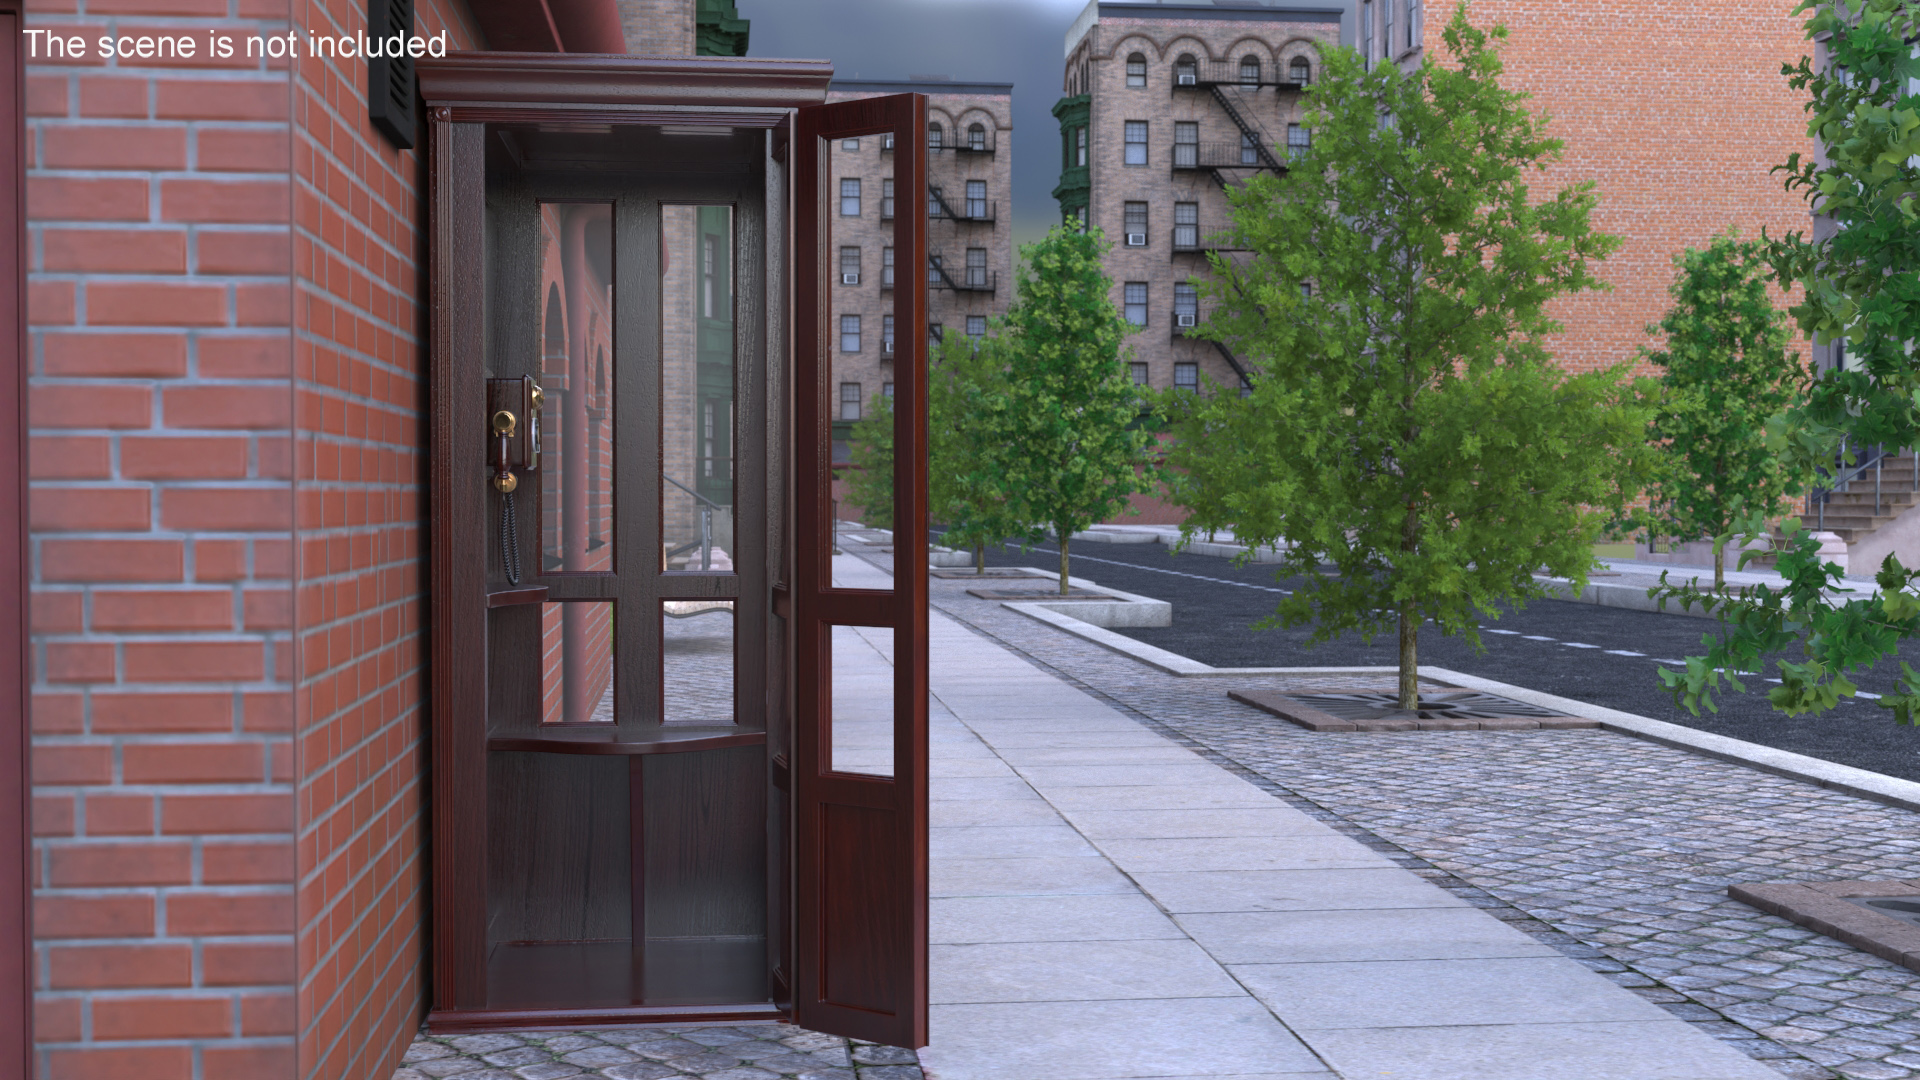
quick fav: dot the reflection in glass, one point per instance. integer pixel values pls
(696, 389)
(861, 725)
(576, 344)
(576, 654)
(696, 652)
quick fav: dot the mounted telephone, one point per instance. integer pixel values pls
(513, 444)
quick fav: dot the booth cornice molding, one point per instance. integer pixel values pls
(573, 80)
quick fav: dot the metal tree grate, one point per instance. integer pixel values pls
(1460, 706)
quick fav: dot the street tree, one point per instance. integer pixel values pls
(1860, 283)
(1726, 368)
(870, 452)
(1072, 453)
(1406, 424)
(964, 441)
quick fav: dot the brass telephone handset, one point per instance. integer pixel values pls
(514, 446)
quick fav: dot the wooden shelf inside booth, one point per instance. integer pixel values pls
(509, 595)
(601, 738)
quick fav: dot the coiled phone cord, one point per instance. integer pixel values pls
(509, 540)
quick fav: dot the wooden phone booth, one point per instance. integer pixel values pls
(679, 755)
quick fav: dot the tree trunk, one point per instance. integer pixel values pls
(980, 559)
(1409, 657)
(1719, 566)
(1063, 564)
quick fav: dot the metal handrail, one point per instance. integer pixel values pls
(695, 494)
(705, 540)
(1871, 457)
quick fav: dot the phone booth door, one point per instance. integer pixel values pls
(630, 821)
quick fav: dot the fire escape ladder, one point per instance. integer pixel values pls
(938, 263)
(1234, 363)
(940, 199)
(1218, 178)
(1247, 128)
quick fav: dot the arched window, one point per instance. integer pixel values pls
(553, 338)
(936, 136)
(1250, 71)
(976, 137)
(1185, 71)
(1137, 69)
(1300, 71)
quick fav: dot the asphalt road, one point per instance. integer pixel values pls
(1553, 646)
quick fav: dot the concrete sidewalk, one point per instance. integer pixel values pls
(1108, 904)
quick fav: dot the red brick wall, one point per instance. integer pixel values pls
(1676, 109)
(358, 360)
(160, 529)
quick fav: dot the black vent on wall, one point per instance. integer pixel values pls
(390, 95)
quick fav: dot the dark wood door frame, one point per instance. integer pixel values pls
(16, 922)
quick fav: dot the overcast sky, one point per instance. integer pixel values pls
(1016, 41)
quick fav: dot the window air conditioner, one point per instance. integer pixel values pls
(1187, 78)
(1186, 320)
(850, 279)
(1136, 239)
(886, 346)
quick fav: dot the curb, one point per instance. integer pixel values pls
(1846, 779)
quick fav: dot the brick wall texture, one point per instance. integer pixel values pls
(226, 410)
(1676, 110)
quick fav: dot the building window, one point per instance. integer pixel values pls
(1186, 225)
(1366, 32)
(1306, 290)
(849, 144)
(936, 137)
(1136, 224)
(977, 267)
(1136, 306)
(977, 137)
(976, 326)
(935, 270)
(1249, 153)
(1186, 376)
(936, 333)
(1300, 71)
(933, 202)
(1299, 141)
(886, 141)
(886, 199)
(1413, 23)
(849, 265)
(1186, 304)
(1080, 146)
(1136, 144)
(1137, 70)
(977, 200)
(1249, 71)
(886, 390)
(1386, 30)
(1186, 144)
(886, 269)
(850, 333)
(709, 250)
(849, 401)
(850, 197)
(1081, 217)
(1186, 72)
(886, 335)
(1139, 372)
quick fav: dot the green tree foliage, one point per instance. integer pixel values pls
(870, 447)
(1862, 286)
(1071, 454)
(1725, 371)
(1406, 423)
(963, 441)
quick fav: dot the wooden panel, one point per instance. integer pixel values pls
(860, 896)
(706, 844)
(16, 931)
(458, 564)
(557, 848)
(513, 669)
(573, 81)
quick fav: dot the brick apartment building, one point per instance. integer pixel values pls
(1165, 106)
(225, 304)
(970, 252)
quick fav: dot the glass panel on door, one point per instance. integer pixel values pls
(577, 375)
(696, 388)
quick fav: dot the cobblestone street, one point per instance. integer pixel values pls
(742, 1052)
(1615, 850)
